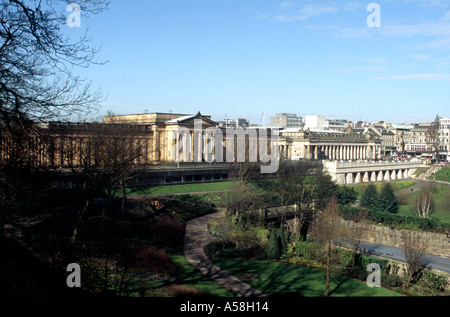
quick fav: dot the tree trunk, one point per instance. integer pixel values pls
(327, 286)
(124, 198)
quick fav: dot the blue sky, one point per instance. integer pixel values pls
(240, 58)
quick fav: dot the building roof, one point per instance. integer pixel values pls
(189, 117)
(383, 130)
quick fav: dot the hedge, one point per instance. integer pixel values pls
(390, 219)
(430, 224)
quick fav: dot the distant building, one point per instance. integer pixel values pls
(320, 123)
(401, 135)
(444, 139)
(240, 122)
(387, 138)
(286, 120)
(336, 124)
(416, 141)
(314, 122)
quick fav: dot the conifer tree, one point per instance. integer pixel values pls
(282, 239)
(273, 249)
(369, 197)
(387, 201)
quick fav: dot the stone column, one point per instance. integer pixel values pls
(393, 175)
(380, 176)
(349, 178)
(365, 177)
(186, 147)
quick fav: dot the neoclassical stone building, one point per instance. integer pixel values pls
(65, 144)
(329, 145)
(161, 127)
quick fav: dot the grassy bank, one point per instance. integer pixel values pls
(183, 188)
(442, 175)
(442, 203)
(281, 279)
(396, 186)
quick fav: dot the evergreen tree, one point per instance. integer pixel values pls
(273, 249)
(387, 200)
(369, 197)
(282, 240)
(346, 195)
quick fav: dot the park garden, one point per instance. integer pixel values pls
(139, 252)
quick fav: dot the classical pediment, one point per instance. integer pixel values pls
(190, 120)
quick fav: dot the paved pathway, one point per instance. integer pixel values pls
(197, 236)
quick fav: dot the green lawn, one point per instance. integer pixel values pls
(184, 188)
(396, 185)
(442, 175)
(281, 279)
(442, 200)
(189, 276)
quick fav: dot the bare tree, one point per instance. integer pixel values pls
(37, 81)
(415, 246)
(316, 194)
(102, 156)
(239, 200)
(119, 149)
(243, 172)
(425, 203)
(37, 77)
(287, 185)
(432, 136)
(327, 228)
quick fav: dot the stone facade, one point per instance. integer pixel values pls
(329, 145)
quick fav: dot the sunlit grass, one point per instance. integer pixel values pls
(282, 279)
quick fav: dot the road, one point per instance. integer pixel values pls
(397, 254)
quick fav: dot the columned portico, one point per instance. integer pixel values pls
(363, 172)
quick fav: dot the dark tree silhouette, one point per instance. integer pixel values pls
(38, 81)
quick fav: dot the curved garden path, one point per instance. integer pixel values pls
(196, 237)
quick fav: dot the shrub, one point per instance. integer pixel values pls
(244, 238)
(167, 228)
(350, 212)
(433, 281)
(307, 262)
(304, 249)
(145, 258)
(410, 222)
(220, 249)
(263, 236)
(391, 280)
(273, 249)
(363, 262)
